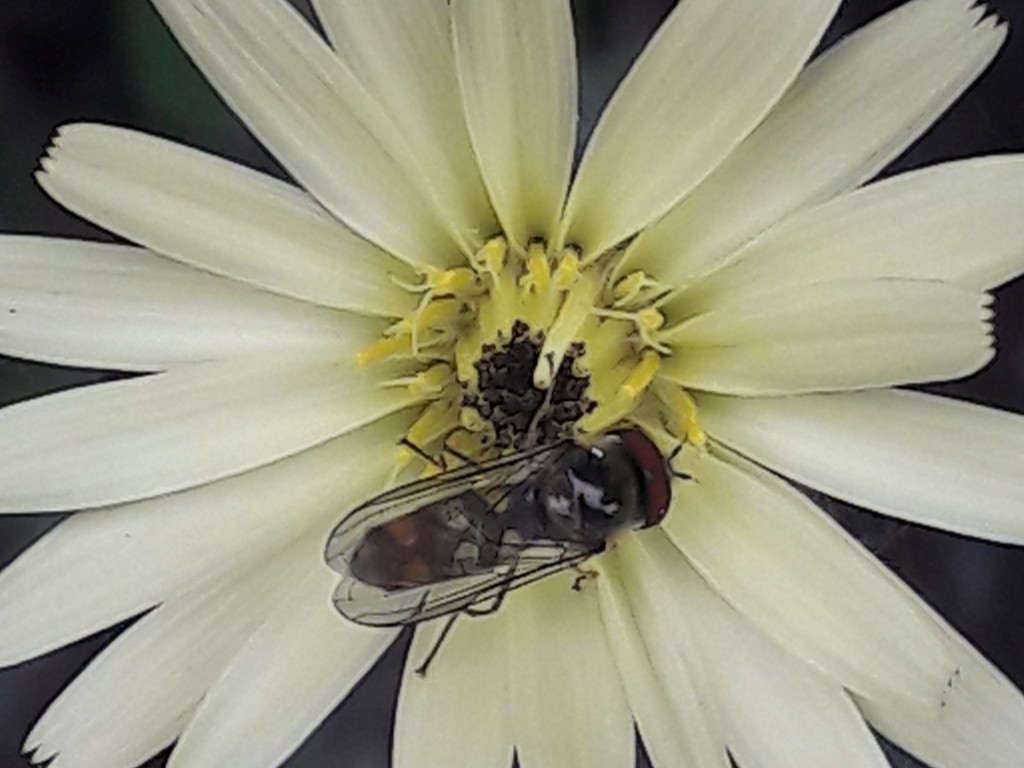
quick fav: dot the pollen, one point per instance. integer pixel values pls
(521, 347)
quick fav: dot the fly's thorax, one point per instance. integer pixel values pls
(598, 491)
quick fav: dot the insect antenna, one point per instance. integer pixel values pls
(421, 670)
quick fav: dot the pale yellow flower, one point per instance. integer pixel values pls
(712, 271)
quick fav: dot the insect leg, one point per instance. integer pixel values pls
(583, 575)
(678, 474)
(421, 670)
(496, 602)
(461, 456)
(435, 461)
(498, 599)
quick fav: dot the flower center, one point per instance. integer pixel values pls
(523, 348)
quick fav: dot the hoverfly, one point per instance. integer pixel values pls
(457, 542)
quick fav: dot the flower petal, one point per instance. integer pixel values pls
(218, 216)
(517, 69)
(308, 109)
(416, 85)
(777, 711)
(981, 721)
(709, 76)
(292, 671)
(927, 459)
(957, 222)
(655, 652)
(111, 306)
(832, 336)
(140, 438)
(559, 660)
(801, 579)
(135, 697)
(849, 114)
(121, 561)
(456, 714)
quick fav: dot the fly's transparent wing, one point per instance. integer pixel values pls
(492, 480)
(479, 593)
(491, 483)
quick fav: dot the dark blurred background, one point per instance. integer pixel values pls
(112, 61)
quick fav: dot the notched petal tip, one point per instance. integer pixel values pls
(49, 161)
(37, 753)
(988, 18)
(46, 162)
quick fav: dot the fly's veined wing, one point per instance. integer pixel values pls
(373, 606)
(491, 482)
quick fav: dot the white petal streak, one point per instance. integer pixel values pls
(414, 81)
(112, 306)
(927, 459)
(849, 114)
(777, 711)
(218, 216)
(798, 576)
(140, 438)
(652, 636)
(833, 336)
(958, 222)
(517, 68)
(567, 704)
(135, 697)
(709, 76)
(312, 113)
(981, 721)
(121, 561)
(295, 668)
(456, 715)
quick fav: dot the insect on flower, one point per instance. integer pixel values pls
(457, 542)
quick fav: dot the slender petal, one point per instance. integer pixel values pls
(802, 580)
(293, 670)
(212, 214)
(927, 459)
(654, 648)
(416, 85)
(144, 437)
(308, 109)
(517, 68)
(709, 76)
(124, 560)
(649, 700)
(833, 336)
(456, 715)
(134, 698)
(558, 659)
(958, 222)
(111, 306)
(849, 114)
(778, 712)
(981, 722)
